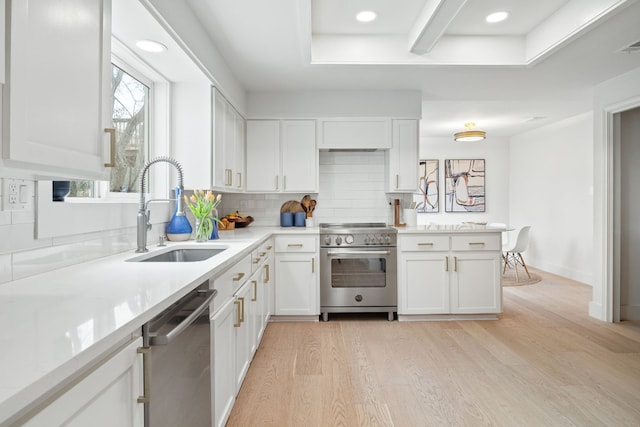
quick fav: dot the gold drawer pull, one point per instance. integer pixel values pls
(255, 290)
(238, 320)
(295, 245)
(257, 260)
(269, 247)
(238, 277)
(426, 244)
(112, 145)
(476, 243)
(262, 254)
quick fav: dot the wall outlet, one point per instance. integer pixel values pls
(17, 194)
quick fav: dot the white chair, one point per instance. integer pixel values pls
(513, 254)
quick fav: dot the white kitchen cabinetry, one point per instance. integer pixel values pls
(354, 133)
(58, 87)
(228, 144)
(403, 156)
(449, 274)
(297, 288)
(106, 397)
(282, 156)
(476, 277)
(223, 369)
(229, 353)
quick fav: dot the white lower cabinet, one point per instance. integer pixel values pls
(239, 315)
(106, 397)
(449, 274)
(223, 354)
(297, 288)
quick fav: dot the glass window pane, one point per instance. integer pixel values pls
(130, 118)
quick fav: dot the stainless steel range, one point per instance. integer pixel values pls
(358, 265)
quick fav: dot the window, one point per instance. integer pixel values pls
(130, 118)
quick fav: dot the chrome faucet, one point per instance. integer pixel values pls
(143, 223)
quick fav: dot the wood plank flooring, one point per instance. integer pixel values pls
(544, 363)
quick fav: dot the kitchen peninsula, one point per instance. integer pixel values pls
(449, 271)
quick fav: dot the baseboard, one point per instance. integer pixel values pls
(595, 311)
(299, 318)
(444, 317)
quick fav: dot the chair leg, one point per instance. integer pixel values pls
(506, 261)
(524, 265)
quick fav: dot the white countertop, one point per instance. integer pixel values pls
(451, 228)
(55, 323)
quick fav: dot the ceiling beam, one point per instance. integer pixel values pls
(431, 23)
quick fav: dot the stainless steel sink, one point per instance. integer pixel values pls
(181, 255)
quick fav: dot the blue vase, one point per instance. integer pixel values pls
(178, 229)
(214, 231)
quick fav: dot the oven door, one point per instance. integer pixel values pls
(358, 277)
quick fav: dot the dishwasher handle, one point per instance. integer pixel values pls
(172, 334)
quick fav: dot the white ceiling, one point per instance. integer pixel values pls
(542, 62)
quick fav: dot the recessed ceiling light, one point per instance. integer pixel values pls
(151, 46)
(366, 16)
(497, 17)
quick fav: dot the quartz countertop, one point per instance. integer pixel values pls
(452, 228)
(56, 323)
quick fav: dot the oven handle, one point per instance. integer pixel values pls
(172, 334)
(329, 253)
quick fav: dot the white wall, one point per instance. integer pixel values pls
(551, 189)
(495, 151)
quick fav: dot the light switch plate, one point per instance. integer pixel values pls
(17, 194)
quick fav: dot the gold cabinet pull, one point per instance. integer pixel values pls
(262, 254)
(277, 182)
(112, 147)
(146, 373)
(238, 320)
(239, 179)
(266, 276)
(476, 243)
(269, 247)
(313, 264)
(255, 290)
(238, 277)
(455, 264)
(397, 181)
(295, 245)
(284, 183)
(242, 309)
(446, 263)
(426, 244)
(257, 260)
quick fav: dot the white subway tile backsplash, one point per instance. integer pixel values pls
(37, 261)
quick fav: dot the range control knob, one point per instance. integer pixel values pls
(387, 239)
(348, 239)
(327, 240)
(367, 240)
(338, 240)
(379, 239)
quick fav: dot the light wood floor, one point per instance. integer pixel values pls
(544, 363)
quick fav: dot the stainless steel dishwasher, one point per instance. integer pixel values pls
(177, 363)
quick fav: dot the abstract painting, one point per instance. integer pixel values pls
(428, 198)
(464, 185)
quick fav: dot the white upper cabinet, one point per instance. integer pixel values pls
(228, 145)
(403, 157)
(354, 133)
(58, 87)
(282, 156)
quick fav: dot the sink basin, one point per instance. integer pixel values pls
(182, 255)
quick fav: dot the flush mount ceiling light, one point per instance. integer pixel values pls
(366, 16)
(500, 16)
(151, 46)
(470, 135)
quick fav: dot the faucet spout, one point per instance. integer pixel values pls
(142, 220)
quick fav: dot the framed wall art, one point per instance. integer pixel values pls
(464, 185)
(428, 197)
